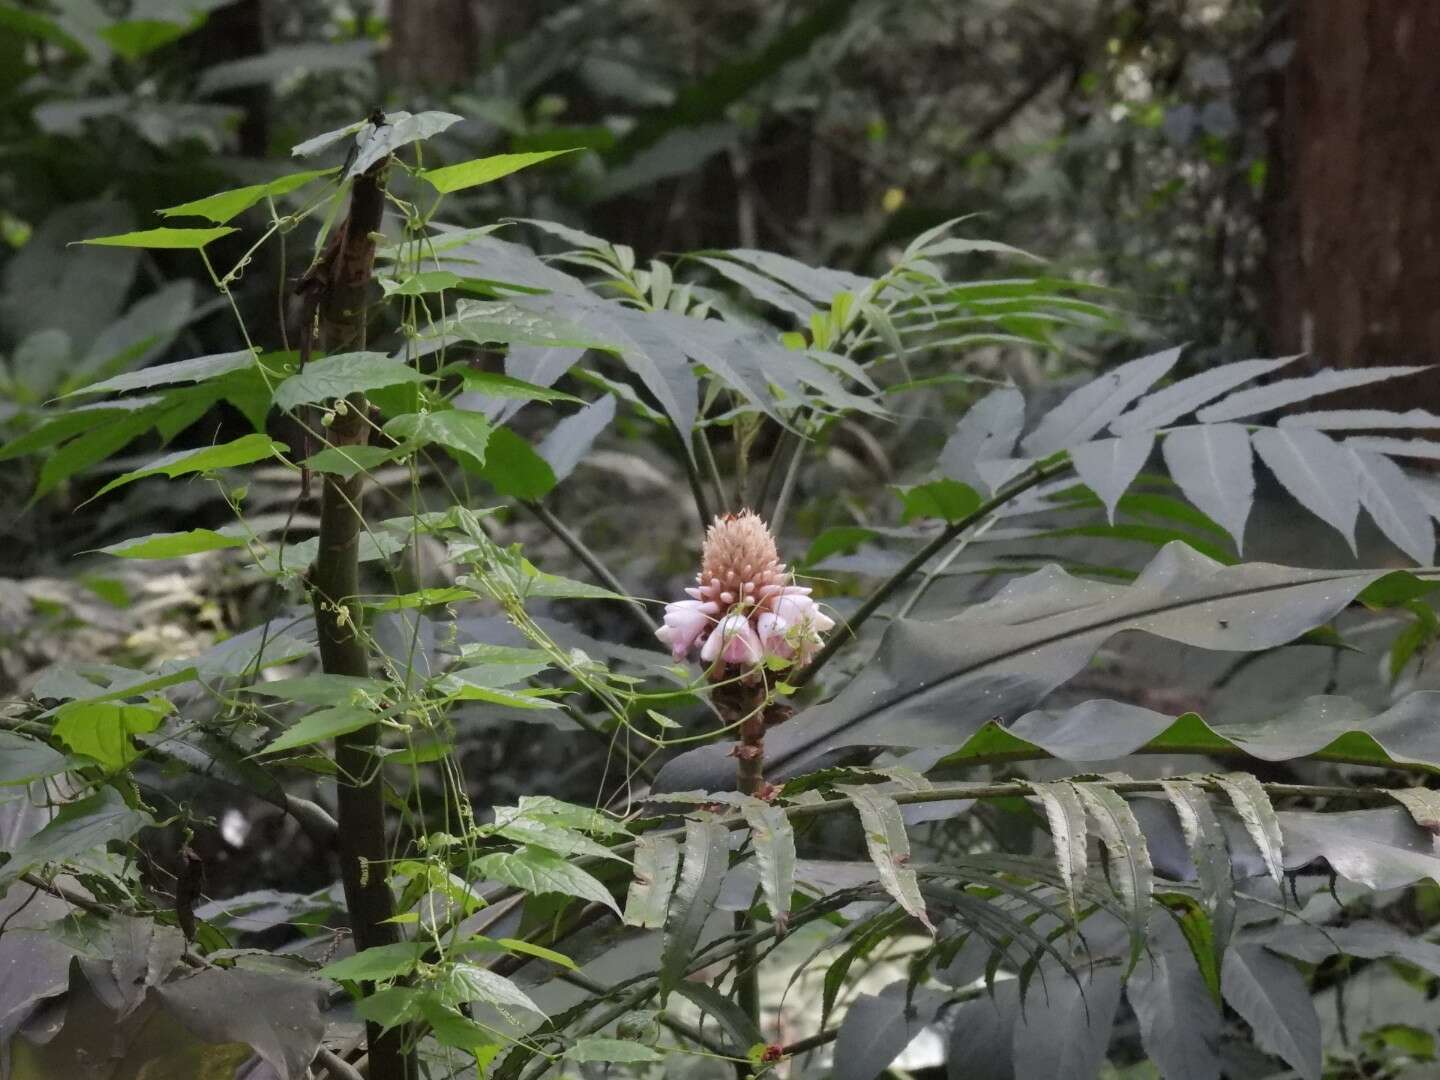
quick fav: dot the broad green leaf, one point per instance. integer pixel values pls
(186, 239)
(466, 982)
(948, 500)
(515, 826)
(571, 440)
(196, 370)
(1109, 466)
(657, 861)
(1087, 410)
(1252, 803)
(505, 322)
(707, 857)
(23, 760)
(243, 451)
(1129, 857)
(988, 432)
(1316, 471)
(426, 281)
(78, 828)
(937, 683)
(601, 1048)
(106, 438)
(1064, 1029)
(52, 426)
(348, 461)
(468, 174)
(459, 687)
(1066, 815)
(889, 847)
(480, 943)
(343, 374)
(101, 730)
(835, 540)
(1272, 997)
(492, 384)
(555, 587)
(173, 545)
(322, 725)
(455, 429)
(376, 964)
(1394, 504)
(514, 468)
(1213, 465)
(390, 1007)
(774, 843)
(224, 205)
(451, 1028)
(585, 818)
(539, 871)
(322, 689)
(1178, 1007)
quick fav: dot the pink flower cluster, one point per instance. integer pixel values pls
(742, 609)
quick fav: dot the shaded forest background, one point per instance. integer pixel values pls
(1254, 176)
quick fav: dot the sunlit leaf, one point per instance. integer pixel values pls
(187, 239)
(468, 174)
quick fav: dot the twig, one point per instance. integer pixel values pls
(337, 1066)
(697, 485)
(592, 562)
(684, 1030)
(919, 559)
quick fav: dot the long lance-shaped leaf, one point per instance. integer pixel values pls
(1253, 805)
(1323, 728)
(707, 855)
(1174, 401)
(1066, 815)
(657, 860)
(937, 683)
(740, 1027)
(1288, 391)
(1212, 464)
(1270, 996)
(889, 847)
(1205, 837)
(1394, 503)
(1129, 858)
(1087, 410)
(868, 935)
(774, 841)
(1316, 471)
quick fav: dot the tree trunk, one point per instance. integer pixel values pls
(1354, 210)
(341, 284)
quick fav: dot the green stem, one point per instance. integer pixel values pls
(592, 563)
(916, 561)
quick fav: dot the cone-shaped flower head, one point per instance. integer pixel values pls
(743, 609)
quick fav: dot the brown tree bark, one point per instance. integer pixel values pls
(339, 287)
(1354, 215)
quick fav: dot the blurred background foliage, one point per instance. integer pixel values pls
(1127, 143)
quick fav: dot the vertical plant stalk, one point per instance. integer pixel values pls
(745, 703)
(337, 289)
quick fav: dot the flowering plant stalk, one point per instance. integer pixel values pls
(750, 622)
